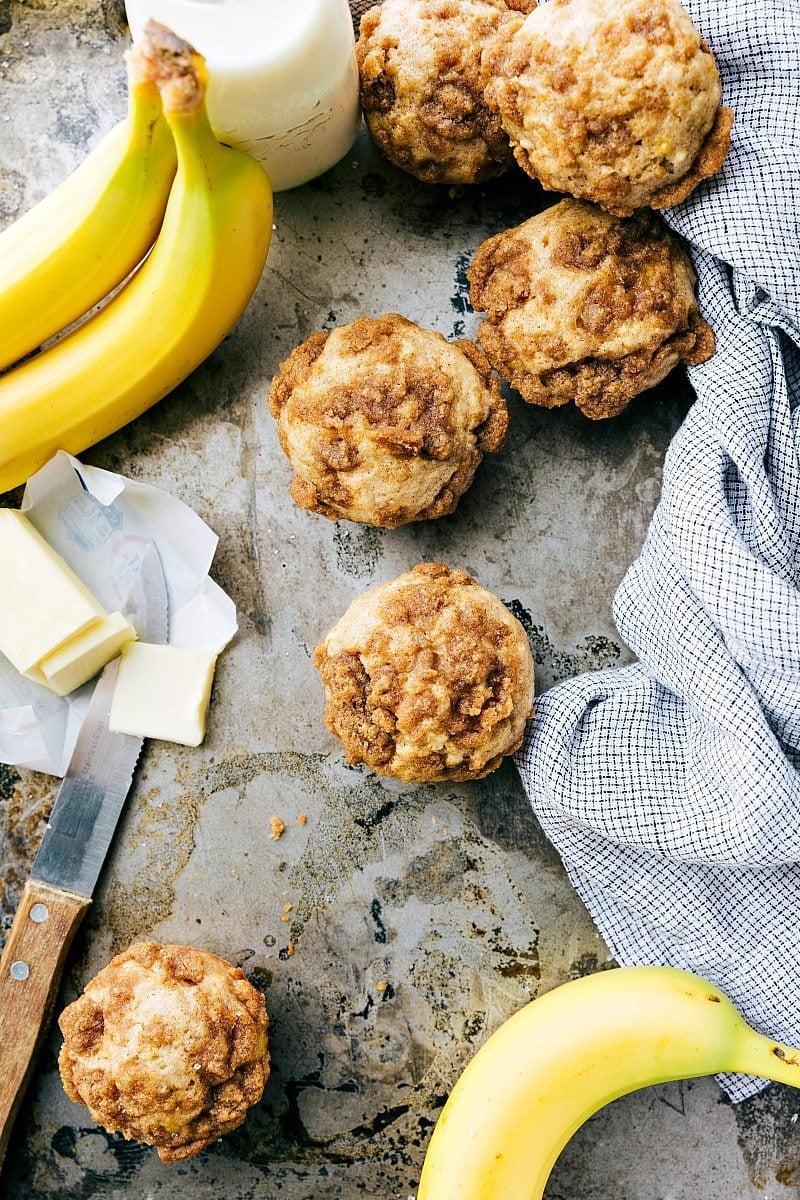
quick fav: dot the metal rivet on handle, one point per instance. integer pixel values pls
(39, 913)
(20, 970)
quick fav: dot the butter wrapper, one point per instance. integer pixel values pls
(102, 524)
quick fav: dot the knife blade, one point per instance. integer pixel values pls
(88, 804)
(66, 869)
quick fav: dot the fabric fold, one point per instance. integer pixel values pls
(671, 787)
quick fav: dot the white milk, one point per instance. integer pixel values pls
(284, 80)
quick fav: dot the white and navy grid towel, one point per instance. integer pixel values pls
(671, 788)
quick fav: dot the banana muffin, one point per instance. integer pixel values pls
(428, 677)
(586, 307)
(167, 1046)
(422, 87)
(616, 101)
(385, 422)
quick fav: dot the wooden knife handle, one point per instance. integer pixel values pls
(30, 972)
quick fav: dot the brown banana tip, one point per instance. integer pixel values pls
(163, 58)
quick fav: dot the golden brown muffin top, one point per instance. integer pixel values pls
(422, 86)
(168, 1046)
(616, 101)
(427, 677)
(585, 306)
(385, 422)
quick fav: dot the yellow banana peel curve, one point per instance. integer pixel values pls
(168, 317)
(69, 251)
(568, 1053)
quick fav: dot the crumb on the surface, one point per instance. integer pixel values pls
(290, 950)
(302, 818)
(288, 907)
(276, 828)
(382, 985)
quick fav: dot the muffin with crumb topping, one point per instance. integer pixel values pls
(385, 422)
(615, 101)
(167, 1046)
(582, 306)
(428, 677)
(422, 86)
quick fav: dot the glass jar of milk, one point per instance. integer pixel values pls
(283, 76)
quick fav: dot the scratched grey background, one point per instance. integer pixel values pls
(449, 895)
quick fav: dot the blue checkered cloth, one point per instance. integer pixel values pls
(671, 787)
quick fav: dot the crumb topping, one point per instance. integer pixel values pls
(428, 677)
(586, 307)
(385, 422)
(609, 100)
(167, 1046)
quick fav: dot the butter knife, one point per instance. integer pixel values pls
(74, 847)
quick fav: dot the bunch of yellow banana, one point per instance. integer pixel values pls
(211, 222)
(569, 1052)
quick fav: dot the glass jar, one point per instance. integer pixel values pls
(283, 76)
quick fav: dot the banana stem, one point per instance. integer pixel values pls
(199, 152)
(144, 98)
(172, 65)
(145, 117)
(759, 1055)
(139, 73)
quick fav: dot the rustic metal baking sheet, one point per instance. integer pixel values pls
(448, 895)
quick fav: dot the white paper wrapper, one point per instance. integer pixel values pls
(101, 524)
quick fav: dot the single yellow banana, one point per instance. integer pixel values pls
(74, 247)
(569, 1052)
(175, 309)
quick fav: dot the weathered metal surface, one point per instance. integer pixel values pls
(420, 918)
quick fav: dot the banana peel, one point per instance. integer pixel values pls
(568, 1053)
(174, 310)
(75, 246)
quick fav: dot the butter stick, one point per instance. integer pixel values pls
(52, 628)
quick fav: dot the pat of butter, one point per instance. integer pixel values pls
(162, 692)
(42, 601)
(85, 654)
